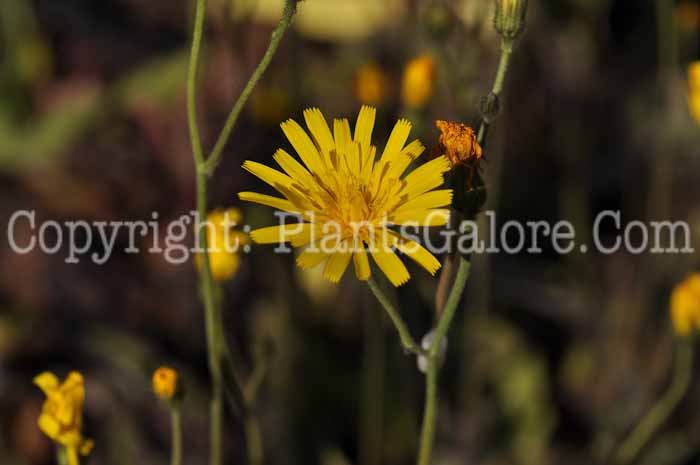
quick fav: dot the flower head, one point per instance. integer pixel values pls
(458, 142)
(685, 305)
(371, 84)
(165, 382)
(61, 417)
(694, 90)
(224, 244)
(348, 199)
(418, 84)
(509, 19)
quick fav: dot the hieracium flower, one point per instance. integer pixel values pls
(694, 90)
(371, 84)
(224, 243)
(349, 200)
(165, 383)
(418, 83)
(61, 416)
(685, 305)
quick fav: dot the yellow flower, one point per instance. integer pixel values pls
(694, 90)
(165, 381)
(348, 199)
(458, 142)
(224, 244)
(62, 414)
(685, 305)
(418, 82)
(371, 84)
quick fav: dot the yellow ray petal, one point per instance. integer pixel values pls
(47, 382)
(408, 154)
(391, 265)
(318, 127)
(432, 199)
(341, 134)
(293, 168)
(417, 253)
(298, 234)
(423, 218)
(303, 145)
(361, 264)
(426, 175)
(337, 264)
(270, 175)
(311, 257)
(396, 141)
(268, 200)
(364, 127)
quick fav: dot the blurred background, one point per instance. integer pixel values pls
(552, 358)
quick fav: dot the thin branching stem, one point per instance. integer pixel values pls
(277, 34)
(409, 344)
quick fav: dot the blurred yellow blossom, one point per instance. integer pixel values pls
(694, 90)
(165, 380)
(685, 305)
(62, 414)
(371, 84)
(347, 198)
(418, 84)
(224, 244)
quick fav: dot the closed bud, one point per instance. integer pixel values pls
(509, 19)
(166, 383)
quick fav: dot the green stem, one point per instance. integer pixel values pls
(205, 278)
(649, 424)
(176, 432)
(277, 34)
(409, 344)
(61, 455)
(431, 392)
(253, 439)
(455, 294)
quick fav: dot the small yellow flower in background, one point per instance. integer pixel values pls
(418, 84)
(458, 143)
(165, 381)
(694, 90)
(685, 305)
(348, 199)
(371, 84)
(224, 244)
(61, 417)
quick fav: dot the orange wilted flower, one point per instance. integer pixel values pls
(458, 143)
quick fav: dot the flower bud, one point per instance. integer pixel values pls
(685, 306)
(165, 383)
(509, 20)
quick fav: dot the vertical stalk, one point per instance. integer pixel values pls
(455, 294)
(176, 435)
(653, 420)
(205, 278)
